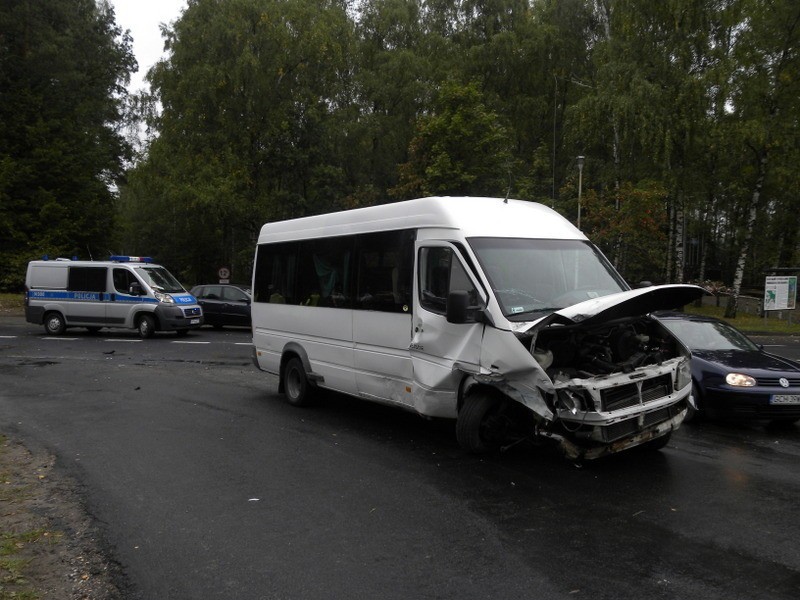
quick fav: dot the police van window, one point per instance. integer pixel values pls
(123, 279)
(87, 279)
(440, 273)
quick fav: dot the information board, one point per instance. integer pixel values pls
(780, 293)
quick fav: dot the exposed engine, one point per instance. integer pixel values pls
(620, 382)
(575, 351)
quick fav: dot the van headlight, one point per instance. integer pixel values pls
(165, 298)
(684, 374)
(739, 380)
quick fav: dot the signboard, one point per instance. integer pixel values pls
(780, 293)
(224, 275)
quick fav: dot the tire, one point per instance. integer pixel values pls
(483, 423)
(298, 390)
(54, 323)
(146, 326)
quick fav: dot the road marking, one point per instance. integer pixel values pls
(242, 343)
(121, 340)
(184, 342)
(63, 339)
(7, 337)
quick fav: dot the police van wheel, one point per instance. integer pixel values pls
(483, 423)
(54, 323)
(147, 327)
(296, 386)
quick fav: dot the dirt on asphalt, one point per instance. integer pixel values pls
(49, 547)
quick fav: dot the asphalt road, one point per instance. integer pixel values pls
(207, 485)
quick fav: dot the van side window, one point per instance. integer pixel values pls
(385, 271)
(87, 279)
(324, 271)
(123, 279)
(441, 272)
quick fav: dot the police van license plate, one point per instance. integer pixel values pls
(785, 399)
(194, 322)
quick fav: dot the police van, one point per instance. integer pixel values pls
(125, 291)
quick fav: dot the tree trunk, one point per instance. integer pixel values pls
(679, 236)
(744, 250)
(670, 243)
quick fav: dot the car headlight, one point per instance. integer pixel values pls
(739, 380)
(684, 375)
(165, 298)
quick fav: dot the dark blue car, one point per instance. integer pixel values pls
(732, 376)
(224, 304)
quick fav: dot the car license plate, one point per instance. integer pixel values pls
(785, 399)
(194, 322)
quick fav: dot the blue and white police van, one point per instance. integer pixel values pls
(125, 291)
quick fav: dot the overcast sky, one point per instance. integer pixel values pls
(142, 18)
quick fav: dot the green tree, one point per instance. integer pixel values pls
(765, 107)
(247, 130)
(461, 148)
(63, 67)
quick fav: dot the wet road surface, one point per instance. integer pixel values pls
(208, 485)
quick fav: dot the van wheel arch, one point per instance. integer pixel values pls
(54, 323)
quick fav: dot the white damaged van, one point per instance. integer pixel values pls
(125, 291)
(497, 313)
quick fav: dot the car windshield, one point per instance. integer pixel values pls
(708, 335)
(533, 276)
(160, 279)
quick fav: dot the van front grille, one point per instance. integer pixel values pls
(625, 396)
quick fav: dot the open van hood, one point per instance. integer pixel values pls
(622, 305)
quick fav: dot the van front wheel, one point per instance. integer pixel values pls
(296, 386)
(54, 323)
(483, 423)
(147, 327)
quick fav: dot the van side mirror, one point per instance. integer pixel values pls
(135, 289)
(457, 306)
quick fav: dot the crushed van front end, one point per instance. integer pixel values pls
(605, 414)
(597, 382)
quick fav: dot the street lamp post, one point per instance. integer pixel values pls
(580, 186)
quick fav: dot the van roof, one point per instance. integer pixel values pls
(473, 216)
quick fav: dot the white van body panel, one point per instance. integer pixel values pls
(419, 360)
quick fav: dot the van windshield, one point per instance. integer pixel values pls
(532, 276)
(160, 279)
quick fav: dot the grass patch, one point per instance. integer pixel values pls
(19, 538)
(12, 303)
(747, 322)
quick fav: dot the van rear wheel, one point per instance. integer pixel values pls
(54, 323)
(483, 423)
(146, 327)
(298, 390)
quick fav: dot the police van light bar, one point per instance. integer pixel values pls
(143, 259)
